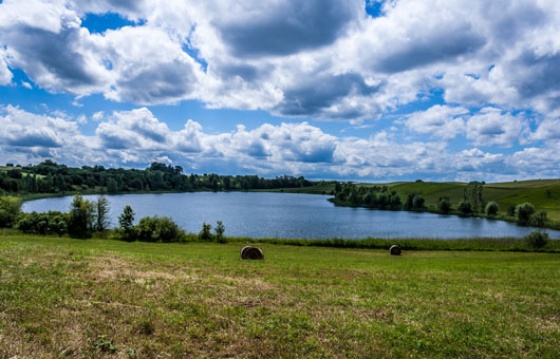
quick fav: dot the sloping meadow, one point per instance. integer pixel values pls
(103, 298)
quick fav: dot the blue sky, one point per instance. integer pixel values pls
(329, 89)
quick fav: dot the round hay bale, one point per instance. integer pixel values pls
(395, 250)
(244, 250)
(252, 253)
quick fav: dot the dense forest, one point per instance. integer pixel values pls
(50, 177)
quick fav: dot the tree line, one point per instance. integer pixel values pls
(50, 177)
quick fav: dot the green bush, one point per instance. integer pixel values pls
(539, 219)
(537, 239)
(159, 229)
(523, 212)
(51, 222)
(80, 218)
(205, 233)
(220, 229)
(10, 208)
(465, 207)
(444, 205)
(491, 208)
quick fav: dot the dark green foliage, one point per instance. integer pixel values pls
(371, 197)
(159, 229)
(537, 239)
(51, 222)
(126, 221)
(220, 229)
(81, 218)
(10, 208)
(464, 207)
(395, 201)
(540, 218)
(101, 208)
(491, 208)
(414, 202)
(206, 232)
(418, 202)
(523, 212)
(444, 205)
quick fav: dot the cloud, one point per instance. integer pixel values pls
(29, 138)
(283, 27)
(309, 99)
(493, 127)
(133, 130)
(320, 59)
(149, 67)
(439, 121)
(5, 73)
(138, 137)
(49, 45)
(458, 86)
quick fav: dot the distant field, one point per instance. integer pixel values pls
(543, 194)
(109, 299)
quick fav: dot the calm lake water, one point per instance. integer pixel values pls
(284, 215)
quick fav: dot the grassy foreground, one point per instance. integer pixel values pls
(101, 298)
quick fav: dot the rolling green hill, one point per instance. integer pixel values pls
(543, 194)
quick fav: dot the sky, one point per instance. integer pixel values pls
(372, 91)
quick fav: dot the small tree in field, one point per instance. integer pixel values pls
(10, 209)
(80, 218)
(101, 208)
(491, 209)
(220, 229)
(126, 220)
(205, 233)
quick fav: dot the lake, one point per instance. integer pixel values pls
(287, 215)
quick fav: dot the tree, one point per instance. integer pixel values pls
(220, 229)
(10, 209)
(102, 209)
(395, 201)
(491, 208)
(418, 202)
(523, 212)
(464, 207)
(540, 218)
(126, 220)
(80, 218)
(205, 233)
(444, 205)
(159, 229)
(537, 239)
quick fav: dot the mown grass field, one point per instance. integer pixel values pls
(107, 299)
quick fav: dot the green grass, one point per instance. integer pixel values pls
(543, 194)
(101, 298)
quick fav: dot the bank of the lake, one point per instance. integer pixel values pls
(290, 215)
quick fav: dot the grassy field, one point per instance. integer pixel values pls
(543, 194)
(109, 299)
